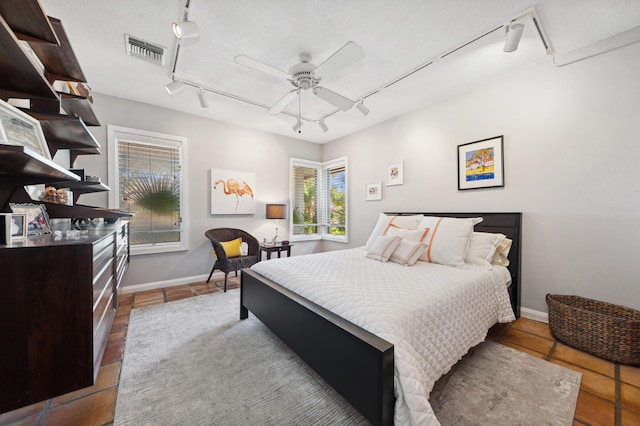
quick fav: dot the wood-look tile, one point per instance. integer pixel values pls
(113, 352)
(594, 383)
(22, 413)
(574, 356)
(594, 411)
(118, 334)
(179, 296)
(125, 299)
(209, 290)
(96, 409)
(534, 327)
(108, 376)
(148, 303)
(145, 296)
(31, 420)
(630, 374)
(120, 321)
(521, 338)
(630, 397)
(123, 310)
(630, 418)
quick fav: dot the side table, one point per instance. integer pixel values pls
(277, 248)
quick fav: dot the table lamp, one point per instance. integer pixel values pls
(276, 211)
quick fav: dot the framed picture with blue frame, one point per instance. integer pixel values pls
(481, 164)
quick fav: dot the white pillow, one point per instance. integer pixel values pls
(383, 247)
(416, 235)
(407, 222)
(482, 247)
(448, 239)
(408, 252)
(502, 251)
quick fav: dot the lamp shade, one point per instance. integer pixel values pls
(276, 211)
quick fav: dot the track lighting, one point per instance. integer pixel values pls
(323, 125)
(363, 109)
(514, 33)
(298, 126)
(202, 97)
(174, 87)
(186, 30)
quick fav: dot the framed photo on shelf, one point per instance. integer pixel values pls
(18, 226)
(481, 164)
(373, 191)
(395, 173)
(19, 128)
(36, 217)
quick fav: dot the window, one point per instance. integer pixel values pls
(319, 200)
(146, 179)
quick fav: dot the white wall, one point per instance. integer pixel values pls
(210, 144)
(571, 149)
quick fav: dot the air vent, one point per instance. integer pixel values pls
(143, 49)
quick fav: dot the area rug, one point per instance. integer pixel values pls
(194, 362)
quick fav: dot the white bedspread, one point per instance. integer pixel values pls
(433, 314)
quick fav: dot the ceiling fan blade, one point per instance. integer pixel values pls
(282, 103)
(348, 54)
(260, 66)
(333, 98)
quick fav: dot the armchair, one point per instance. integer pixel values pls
(228, 264)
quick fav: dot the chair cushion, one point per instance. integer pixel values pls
(232, 248)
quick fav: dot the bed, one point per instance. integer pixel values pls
(356, 359)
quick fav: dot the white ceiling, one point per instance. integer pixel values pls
(397, 37)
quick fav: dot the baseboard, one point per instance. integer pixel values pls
(534, 315)
(168, 283)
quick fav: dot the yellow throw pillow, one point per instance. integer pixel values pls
(232, 248)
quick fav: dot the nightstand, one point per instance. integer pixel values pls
(277, 248)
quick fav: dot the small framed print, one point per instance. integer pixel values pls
(395, 173)
(37, 220)
(481, 164)
(19, 128)
(18, 226)
(373, 191)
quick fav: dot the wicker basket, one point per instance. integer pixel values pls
(603, 329)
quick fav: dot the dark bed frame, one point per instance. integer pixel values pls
(356, 363)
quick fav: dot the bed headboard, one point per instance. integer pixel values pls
(509, 224)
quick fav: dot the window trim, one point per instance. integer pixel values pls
(117, 132)
(323, 225)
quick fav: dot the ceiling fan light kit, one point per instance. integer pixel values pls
(306, 76)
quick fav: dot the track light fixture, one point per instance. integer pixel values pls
(362, 108)
(174, 87)
(323, 125)
(185, 30)
(298, 126)
(514, 34)
(202, 97)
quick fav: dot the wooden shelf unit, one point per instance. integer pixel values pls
(59, 290)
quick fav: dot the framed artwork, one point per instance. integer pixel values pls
(21, 129)
(395, 173)
(37, 220)
(373, 192)
(18, 226)
(481, 164)
(232, 192)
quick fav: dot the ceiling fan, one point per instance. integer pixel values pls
(307, 76)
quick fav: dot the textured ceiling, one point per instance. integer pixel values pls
(397, 37)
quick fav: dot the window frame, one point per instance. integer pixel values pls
(322, 199)
(115, 133)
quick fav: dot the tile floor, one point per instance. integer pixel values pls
(609, 393)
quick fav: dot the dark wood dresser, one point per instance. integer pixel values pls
(58, 299)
